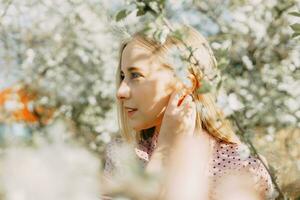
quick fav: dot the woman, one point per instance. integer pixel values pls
(160, 114)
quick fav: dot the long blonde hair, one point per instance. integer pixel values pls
(210, 117)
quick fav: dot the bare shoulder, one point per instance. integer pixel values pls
(234, 158)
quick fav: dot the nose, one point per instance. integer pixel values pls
(123, 91)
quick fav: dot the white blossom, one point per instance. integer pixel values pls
(49, 172)
(243, 151)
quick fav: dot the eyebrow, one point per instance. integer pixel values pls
(132, 69)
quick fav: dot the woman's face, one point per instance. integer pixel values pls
(145, 86)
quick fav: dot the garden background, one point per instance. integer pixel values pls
(57, 95)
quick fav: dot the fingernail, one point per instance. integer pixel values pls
(180, 100)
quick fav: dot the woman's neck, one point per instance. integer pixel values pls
(157, 128)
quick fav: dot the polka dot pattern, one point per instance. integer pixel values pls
(226, 158)
(111, 161)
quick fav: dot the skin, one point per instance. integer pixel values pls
(147, 88)
(155, 92)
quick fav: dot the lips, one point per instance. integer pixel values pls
(130, 111)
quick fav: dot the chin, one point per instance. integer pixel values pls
(140, 127)
(136, 127)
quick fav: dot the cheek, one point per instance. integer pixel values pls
(150, 114)
(154, 102)
(152, 99)
(154, 110)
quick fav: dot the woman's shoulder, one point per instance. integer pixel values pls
(229, 157)
(112, 146)
(110, 156)
(233, 156)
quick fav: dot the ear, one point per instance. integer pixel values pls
(190, 87)
(194, 84)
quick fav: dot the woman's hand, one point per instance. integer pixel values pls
(179, 118)
(176, 156)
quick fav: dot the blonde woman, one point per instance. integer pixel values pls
(161, 116)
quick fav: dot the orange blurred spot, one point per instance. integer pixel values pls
(22, 113)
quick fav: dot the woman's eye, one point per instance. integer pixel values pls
(135, 75)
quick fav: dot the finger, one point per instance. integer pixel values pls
(189, 105)
(187, 100)
(174, 98)
(192, 109)
(181, 99)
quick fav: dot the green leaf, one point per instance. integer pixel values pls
(296, 34)
(163, 35)
(122, 14)
(204, 88)
(154, 6)
(146, 29)
(223, 63)
(297, 14)
(140, 4)
(219, 85)
(140, 12)
(296, 27)
(161, 4)
(177, 34)
(155, 34)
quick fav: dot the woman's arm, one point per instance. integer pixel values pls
(184, 169)
(183, 159)
(177, 121)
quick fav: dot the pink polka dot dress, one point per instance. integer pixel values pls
(226, 158)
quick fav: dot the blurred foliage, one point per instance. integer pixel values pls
(296, 26)
(64, 56)
(65, 52)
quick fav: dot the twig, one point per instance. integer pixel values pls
(247, 140)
